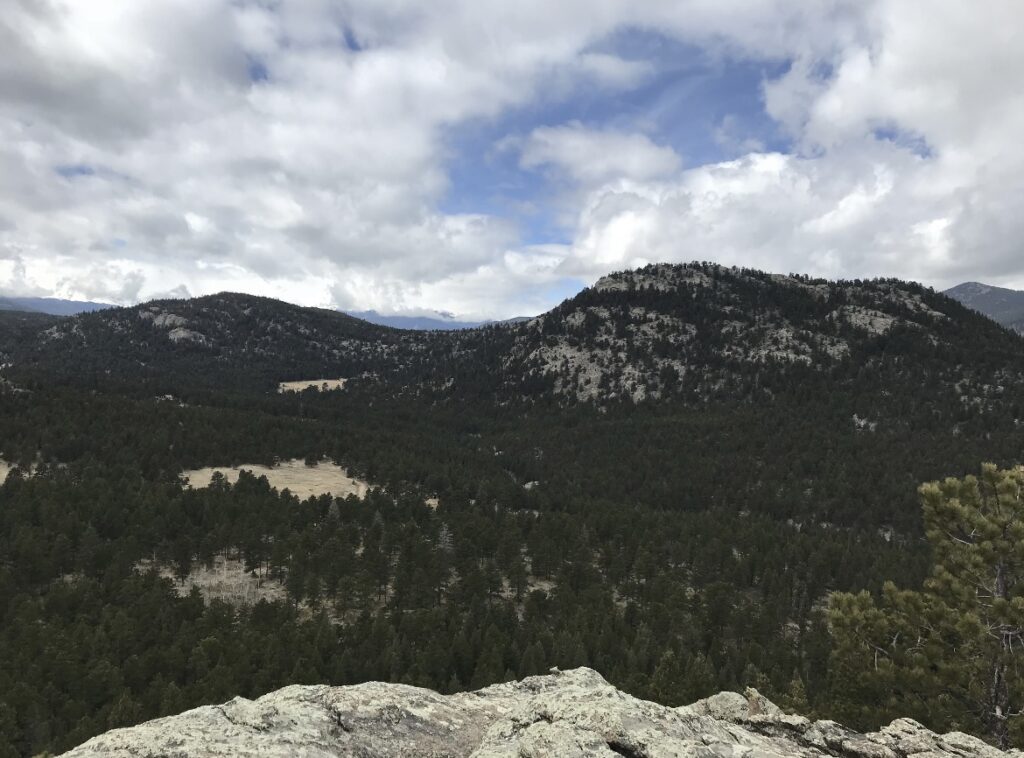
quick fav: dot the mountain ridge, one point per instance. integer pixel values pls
(1004, 306)
(634, 334)
(427, 323)
(52, 306)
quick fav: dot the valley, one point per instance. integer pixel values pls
(717, 450)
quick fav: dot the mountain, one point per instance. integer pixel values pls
(442, 321)
(20, 327)
(51, 305)
(1002, 305)
(882, 370)
(571, 713)
(699, 330)
(691, 332)
(242, 340)
(663, 478)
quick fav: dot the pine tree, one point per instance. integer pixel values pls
(172, 701)
(668, 684)
(795, 699)
(489, 668)
(951, 652)
(699, 678)
(125, 711)
(532, 661)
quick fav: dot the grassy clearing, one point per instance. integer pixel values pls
(302, 480)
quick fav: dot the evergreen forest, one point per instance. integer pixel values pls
(678, 484)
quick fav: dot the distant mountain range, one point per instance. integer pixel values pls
(441, 322)
(51, 305)
(1000, 304)
(1003, 305)
(58, 307)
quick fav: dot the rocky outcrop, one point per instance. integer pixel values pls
(565, 714)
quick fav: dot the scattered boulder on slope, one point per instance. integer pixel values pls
(570, 714)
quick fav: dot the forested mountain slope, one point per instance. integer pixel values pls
(690, 332)
(245, 342)
(702, 331)
(19, 329)
(661, 478)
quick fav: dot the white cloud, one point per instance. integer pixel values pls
(593, 156)
(321, 177)
(907, 162)
(766, 210)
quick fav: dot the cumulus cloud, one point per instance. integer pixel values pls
(594, 156)
(906, 162)
(300, 149)
(767, 210)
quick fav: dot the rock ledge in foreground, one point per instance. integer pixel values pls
(567, 714)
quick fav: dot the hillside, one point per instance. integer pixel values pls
(1005, 306)
(572, 713)
(663, 478)
(690, 332)
(242, 341)
(665, 357)
(700, 330)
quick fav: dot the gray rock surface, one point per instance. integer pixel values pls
(566, 714)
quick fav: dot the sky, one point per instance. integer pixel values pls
(490, 158)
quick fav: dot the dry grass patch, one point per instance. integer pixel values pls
(6, 468)
(302, 480)
(323, 385)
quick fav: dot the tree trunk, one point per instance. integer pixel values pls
(999, 704)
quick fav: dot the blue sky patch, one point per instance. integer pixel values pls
(258, 71)
(905, 139)
(707, 109)
(72, 170)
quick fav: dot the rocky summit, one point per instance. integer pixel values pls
(565, 714)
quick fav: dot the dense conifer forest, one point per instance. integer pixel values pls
(663, 479)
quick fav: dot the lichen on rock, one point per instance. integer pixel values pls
(566, 714)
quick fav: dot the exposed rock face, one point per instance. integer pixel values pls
(568, 714)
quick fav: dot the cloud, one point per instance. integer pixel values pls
(767, 210)
(106, 283)
(593, 156)
(906, 162)
(301, 148)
